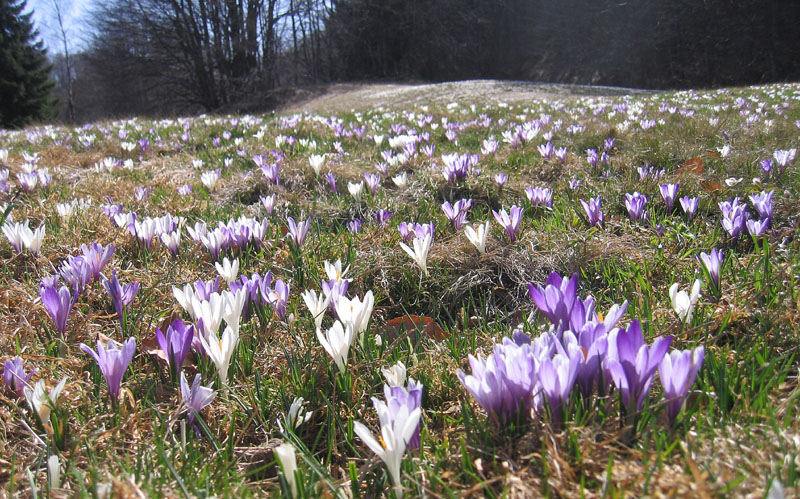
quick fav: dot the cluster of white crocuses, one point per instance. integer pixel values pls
(22, 237)
(351, 314)
(208, 309)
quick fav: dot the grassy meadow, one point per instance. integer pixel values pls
(569, 402)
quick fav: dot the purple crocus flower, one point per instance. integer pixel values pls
(298, 231)
(58, 304)
(15, 378)
(456, 167)
(634, 203)
(97, 256)
(185, 189)
(334, 289)
(500, 178)
(592, 342)
(734, 217)
(331, 178)
(142, 193)
(268, 202)
(411, 397)
(112, 361)
(557, 377)
(574, 184)
(76, 272)
(763, 204)
(271, 172)
(784, 157)
(713, 264)
(766, 166)
(583, 313)
(252, 288)
(678, 371)
(540, 196)
(457, 212)
(556, 299)
(120, 296)
(277, 297)
(383, 216)
(509, 222)
(503, 383)
(757, 228)
(145, 230)
(592, 158)
(406, 231)
(373, 181)
(195, 398)
(689, 205)
(175, 343)
(631, 364)
(593, 211)
(354, 226)
(383, 168)
(546, 150)
(203, 289)
(110, 209)
(669, 192)
(561, 154)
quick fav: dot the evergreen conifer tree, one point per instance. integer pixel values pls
(25, 85)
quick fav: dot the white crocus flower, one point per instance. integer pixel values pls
(209, 179)
(232, 306)
(400, 180)
(296, 416)
(286, 455)
(355, 190)
(395, 375)
(478, 237)
(337, 342)
(13, 232)
(171, 240)
(184, 298)
(394, 438)
(228, 270)
(316, 303)
(420, 252)
(316, 161)
(65, 210)
(33, 239)
(682, 302)
(334, 270)
(41, 402)
(220, 351)
(210, 311)
(355, 312)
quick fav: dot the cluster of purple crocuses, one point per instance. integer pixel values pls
(735, 217)
(583, 350)
(233, 236)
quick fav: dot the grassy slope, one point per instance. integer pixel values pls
(739, 430)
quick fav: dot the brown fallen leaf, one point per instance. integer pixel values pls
(412, 324)
(694, 165)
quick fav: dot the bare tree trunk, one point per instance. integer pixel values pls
(67, 63)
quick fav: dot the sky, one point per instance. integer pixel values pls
(75, 17)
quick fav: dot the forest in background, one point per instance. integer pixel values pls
(168, 57)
